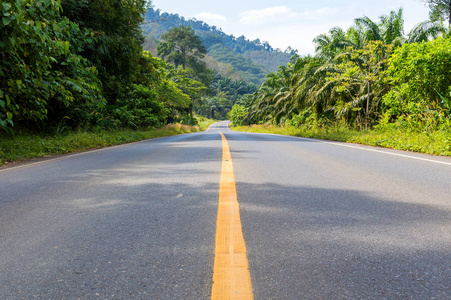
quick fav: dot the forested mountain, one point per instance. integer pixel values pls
(252, 60)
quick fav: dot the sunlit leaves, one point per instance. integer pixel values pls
(180, 44)
(421, 78)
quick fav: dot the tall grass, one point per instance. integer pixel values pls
(26, 146)
(435, 142)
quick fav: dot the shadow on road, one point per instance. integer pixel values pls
(343, 244)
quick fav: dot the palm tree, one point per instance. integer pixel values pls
(356, 35)
(440, 9)
(389, 30)
(392, 28)
(427, 30)
(327, 46)
(370, 29)
(262, 106)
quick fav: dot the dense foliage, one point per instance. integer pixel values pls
(440, 9)
(115, 47)
(222, 95)
(371, 75)
(182, 47)
(42, 72)
(80, 64)
(68, 64)
(245, 67)
(420, 75)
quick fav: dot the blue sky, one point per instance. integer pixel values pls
(292, 23)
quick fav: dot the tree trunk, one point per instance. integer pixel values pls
(367, 113)
(449, 14)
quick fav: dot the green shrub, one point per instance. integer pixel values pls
(141, 108)
(420, 74)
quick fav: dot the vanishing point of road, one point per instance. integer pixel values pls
(223, 214)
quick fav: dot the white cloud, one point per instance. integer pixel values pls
(206, 16)
(283, 14)
(319, 13)
(257, 17)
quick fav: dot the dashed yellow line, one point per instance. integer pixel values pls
(231, 278)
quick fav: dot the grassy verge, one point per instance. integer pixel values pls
(204, 122)
(435, 143)
(24, 147)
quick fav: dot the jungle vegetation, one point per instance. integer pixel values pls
(80, 64)
(369, 76)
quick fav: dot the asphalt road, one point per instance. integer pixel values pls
(321, 220)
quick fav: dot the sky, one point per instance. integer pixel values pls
(285, 23)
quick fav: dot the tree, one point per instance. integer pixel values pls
(181, 46)
(420, 74)
(359, 74)
(390, 29)
(327, 46)
(43, 78)
(426, 31)
(440, 9)
(237, 115)
(116, 44)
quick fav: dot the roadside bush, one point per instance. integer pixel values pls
(41, 76)
(420, 74)
(237, 115)
(141, 108)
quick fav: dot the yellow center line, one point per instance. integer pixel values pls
(231, 278)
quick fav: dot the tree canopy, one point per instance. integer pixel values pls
(182, 47)
(81, 64)
(439, 9)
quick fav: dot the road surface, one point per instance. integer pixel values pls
(320, 220)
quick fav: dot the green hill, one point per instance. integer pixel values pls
(235, 57)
